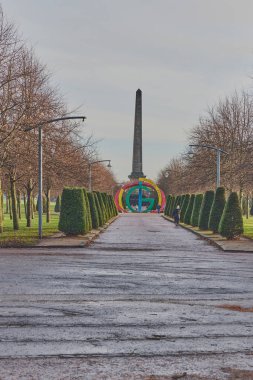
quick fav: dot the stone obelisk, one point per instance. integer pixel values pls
(137, 146)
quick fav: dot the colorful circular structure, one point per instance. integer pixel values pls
(139, 187)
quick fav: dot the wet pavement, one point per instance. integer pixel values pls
(146, 300)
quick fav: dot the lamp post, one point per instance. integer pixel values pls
(40, 150)
(95, 162)
(218, 156)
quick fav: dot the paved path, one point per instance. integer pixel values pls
(145, 301)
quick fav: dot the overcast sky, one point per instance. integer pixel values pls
(183, 54)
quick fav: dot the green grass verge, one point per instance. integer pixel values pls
(248, 227)
(27, 236)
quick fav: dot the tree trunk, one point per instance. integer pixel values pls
(32, 207)
(19, 203)
(47, 193)
(247, 206)
(29, 203)
(2, 200)
(14, 202)
(9, 205)
(25, 205)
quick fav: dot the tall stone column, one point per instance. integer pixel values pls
(137, 145)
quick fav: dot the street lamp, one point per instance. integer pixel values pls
(218, 156)
(40, 126)
(95, 162)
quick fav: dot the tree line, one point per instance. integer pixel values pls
(228, 125)
(27, 97)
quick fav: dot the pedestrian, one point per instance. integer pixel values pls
(176, 215)
(158, 208)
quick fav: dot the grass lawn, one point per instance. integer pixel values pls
(25, 235)
(248, 227)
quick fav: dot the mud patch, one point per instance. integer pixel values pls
(239, 308)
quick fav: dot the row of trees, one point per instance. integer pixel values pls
(28, 98)
(82, 211)
(210, 211)
(227, 125)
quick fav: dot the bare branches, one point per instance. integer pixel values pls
(228, 126)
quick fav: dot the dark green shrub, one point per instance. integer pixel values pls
(196, 210)
(87, 210)
(102, 207)
(93, 210)
(184, 207)
(167, 206)
(104, 199)
(113, 205)
(177, 201)
(100, 217)
(182, 201)
(205, 209)
(72, 216)
(231, 224)
(44, 203)
(217, 209)
(188, 213)
(172, 205)
(57, 207)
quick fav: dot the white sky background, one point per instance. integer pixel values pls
(183, 54)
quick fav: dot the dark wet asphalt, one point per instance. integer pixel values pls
(146, 298)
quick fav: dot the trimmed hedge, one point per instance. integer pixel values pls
(172, 205)
(167, 206)
(182, 201)
(73, 213)
(101, 207)
(57, 207)
(87, 210)
(217, 209)
(44, 204)
(184, 207)
(196, 210)
(188, 214)
(93, 210)
(205, 209)
(100, 216)
(231, 224)
(113, 205)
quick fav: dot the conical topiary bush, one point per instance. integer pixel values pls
(44, 204)
(87, 210)
(196, 210)
(217, 209)
(205, 209)
(184, 207)
(93, 210)
(172, 205)
(179, 201)
(182, 201)
(188, 214)
(72, 217)
(231, 224)
(167, 204)
(57, 207)
(114, 208)
(100, 216)
(102, 207)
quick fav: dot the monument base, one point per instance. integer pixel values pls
(135, 175)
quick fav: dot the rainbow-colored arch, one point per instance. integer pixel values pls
(144, 182)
